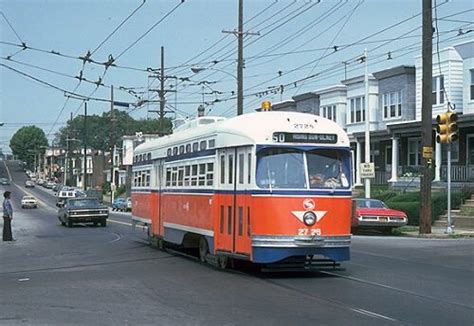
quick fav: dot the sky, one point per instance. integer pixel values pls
(293, 47)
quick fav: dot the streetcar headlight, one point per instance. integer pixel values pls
(309, 218)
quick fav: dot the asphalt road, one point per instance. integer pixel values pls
(54, 275)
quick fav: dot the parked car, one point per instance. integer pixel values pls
(4, 181)
(65, 194)
(374, 214)
(117, 203)
(29, 184)
(83, 210)
(29, 202)
(49, 185)
(126, 205)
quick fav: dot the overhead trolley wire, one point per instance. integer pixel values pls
(118, 27)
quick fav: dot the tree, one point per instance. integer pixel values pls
(102, 129)
(27, 141)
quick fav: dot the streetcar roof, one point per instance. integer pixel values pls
(248, 129)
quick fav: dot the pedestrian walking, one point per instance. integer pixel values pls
(7, 217)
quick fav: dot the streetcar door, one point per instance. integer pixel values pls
(242, 197)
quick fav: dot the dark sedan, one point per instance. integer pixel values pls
(83, 210)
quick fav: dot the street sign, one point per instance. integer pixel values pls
(367, 170)
(428, 152)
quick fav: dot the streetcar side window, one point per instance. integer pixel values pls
(222, 169)
(222, 219)
(212, 143)
(188, 148)
(175, 150)
(202, 174)
(187, 175)
(241, 168)
(180, 176)
(195, 147)
(181, 149)
(194, 174)
(168, 177)
(210, 174)
(202, 145)
(241, 220)
(249, 174)
(231, 169)
(229, 219)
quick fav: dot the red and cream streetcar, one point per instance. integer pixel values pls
(265, 187)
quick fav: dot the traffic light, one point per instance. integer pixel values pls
(447, 128)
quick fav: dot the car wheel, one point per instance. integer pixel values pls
(103, 223)
(96, 223)
(387, 231)
(69, 224)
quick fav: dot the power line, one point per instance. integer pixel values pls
(149, 30)
(14, 31)
(117, 28)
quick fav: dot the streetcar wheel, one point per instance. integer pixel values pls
(223, 262)
(203, 249)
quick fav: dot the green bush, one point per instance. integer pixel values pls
(410, 204)
(406, 197)
(386, 195)
(120, 191)
(412, 209)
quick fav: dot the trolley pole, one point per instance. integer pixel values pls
(426, 118)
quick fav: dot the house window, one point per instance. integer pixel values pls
(414, 158)
(329, 112)
(472, 84)
(454, 153)
(392, 105)
(438, 90)
(357, 109)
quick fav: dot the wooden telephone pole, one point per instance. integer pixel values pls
(426, 119)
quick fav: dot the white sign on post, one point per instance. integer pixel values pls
(367, 170)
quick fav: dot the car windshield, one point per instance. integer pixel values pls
(83, 203)
(291, 168)
(28, 197)
(369, 203)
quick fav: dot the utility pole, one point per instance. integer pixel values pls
(426, 117)
(240, 57)
(112, 145)
(367, 124)
(162, 90)
(84, 180)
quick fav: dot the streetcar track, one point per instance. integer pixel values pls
(392, 288)
(406, 260)
(39, 270)
(333, 302)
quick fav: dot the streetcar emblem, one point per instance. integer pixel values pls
(300, 215)
(308, 204)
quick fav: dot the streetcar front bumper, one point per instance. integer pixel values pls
(268, 249)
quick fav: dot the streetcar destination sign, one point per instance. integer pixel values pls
(290, 137)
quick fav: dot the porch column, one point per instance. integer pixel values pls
(437, 162)
(358, 161)
(395, 150)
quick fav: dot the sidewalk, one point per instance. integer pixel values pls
(438, 233)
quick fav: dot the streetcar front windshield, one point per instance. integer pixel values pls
(290, 168)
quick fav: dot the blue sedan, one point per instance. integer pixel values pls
(118, 203)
